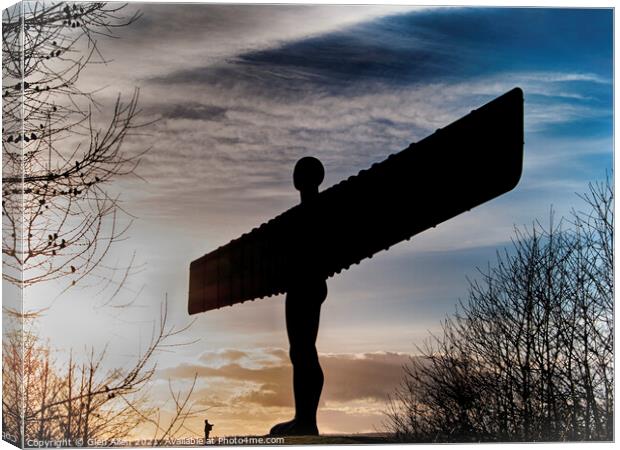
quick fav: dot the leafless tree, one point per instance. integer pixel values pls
(529, 355)
(59, 217)
(80, 404)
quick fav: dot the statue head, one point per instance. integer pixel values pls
(308, 174)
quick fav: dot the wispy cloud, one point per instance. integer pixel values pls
(170, 37)
(350, 90)
(229, 149)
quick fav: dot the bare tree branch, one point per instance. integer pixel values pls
(59, 218)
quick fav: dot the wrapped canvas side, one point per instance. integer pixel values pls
(13, 160)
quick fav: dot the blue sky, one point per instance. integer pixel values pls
(242, 92)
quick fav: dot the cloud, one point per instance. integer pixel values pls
(349, 91)
(258, 390)
(172, 36)
(232, 150)
(436, 46)
(224, 355)
(269, 394)
(360, 377)
(193, 111)
(351, 376)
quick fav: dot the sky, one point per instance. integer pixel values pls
(239, 94)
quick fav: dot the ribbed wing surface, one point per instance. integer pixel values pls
(463, 165)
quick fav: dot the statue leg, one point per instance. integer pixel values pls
(302, 317)
(303, 309)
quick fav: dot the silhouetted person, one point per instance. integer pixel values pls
(304, 297)
(208, 428)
